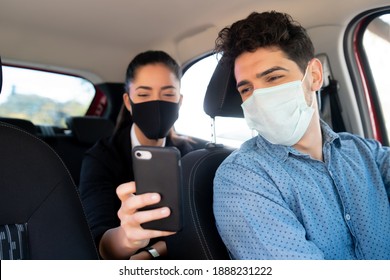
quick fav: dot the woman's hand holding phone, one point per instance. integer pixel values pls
(131, 218)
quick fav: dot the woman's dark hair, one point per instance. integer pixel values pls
(140, 60)
(150, 57)
(262, 30)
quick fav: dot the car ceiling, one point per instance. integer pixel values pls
(100, 37)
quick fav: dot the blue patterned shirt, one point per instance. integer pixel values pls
(273, 202)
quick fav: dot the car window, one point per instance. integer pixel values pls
(193, 120)
(376, 42)
(45, 98)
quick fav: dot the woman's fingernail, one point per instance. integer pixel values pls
(165, 211)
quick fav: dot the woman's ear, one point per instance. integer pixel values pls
(126, 101)
(180, 100)
(316, 74)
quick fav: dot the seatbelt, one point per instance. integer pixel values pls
(330, 107)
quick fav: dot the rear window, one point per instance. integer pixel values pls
(45, 98)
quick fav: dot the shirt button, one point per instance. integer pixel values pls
(347, 217)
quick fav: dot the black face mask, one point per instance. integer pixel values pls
(155, 118)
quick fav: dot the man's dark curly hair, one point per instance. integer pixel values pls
(262, 30)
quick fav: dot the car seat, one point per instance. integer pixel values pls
(328, 97)
(199, 238)
(41, 216)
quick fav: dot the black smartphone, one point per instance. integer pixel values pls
(158, 169)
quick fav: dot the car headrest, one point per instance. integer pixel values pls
(222, 98)
(89, 129)
(1, 75)
(26, 125)
(327, 73)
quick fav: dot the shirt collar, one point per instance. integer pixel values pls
(282, 152)
(134, 140)
(328, 135)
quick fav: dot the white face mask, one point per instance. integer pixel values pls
(280, 114)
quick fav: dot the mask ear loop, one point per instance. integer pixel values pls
(304, 76)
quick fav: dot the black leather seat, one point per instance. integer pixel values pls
(199, 238)
(89, 129)
(41, 216)
(85, 132)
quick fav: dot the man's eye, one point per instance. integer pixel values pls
(273, 78)
(245, 90)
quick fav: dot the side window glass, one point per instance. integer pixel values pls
(45, 98)
(376, 42)
(193, 121)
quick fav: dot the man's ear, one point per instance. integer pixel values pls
(316, 74)
(126, 101)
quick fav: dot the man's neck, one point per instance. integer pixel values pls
(311, 142)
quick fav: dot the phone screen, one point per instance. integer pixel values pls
(158, 169)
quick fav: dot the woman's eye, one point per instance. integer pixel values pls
(169, 95)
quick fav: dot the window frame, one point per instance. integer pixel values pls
(363, 83)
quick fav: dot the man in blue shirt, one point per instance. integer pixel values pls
(298, 190)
